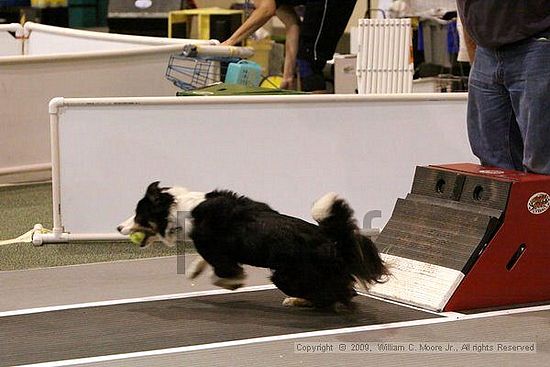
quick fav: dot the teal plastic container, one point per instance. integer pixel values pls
(244, 72)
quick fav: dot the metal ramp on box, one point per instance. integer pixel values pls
(468, 237)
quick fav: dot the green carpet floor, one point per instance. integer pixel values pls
(21, 207)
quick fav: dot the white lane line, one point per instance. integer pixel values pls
(213, 292)
(267, 339)
(511, 311)
(456, 315)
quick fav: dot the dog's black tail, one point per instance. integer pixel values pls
(335, 218)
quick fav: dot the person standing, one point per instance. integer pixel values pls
(508, 117)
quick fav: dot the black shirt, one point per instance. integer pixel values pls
(495, 23)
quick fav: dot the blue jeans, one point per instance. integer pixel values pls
(509, 105)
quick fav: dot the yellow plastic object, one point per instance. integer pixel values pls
(198, 20)
(273, 82)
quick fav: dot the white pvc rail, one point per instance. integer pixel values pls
(13, 27)
(113, 37)
(58, 235)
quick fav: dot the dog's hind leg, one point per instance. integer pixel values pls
(296, 302)
(289, 283)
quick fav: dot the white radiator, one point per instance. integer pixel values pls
(384, 59)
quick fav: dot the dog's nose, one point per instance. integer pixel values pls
(120, 228)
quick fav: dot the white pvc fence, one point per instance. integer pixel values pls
(285, 150)
(59, 61)
(384, 61)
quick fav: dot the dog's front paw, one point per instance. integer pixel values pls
(196, 268)
(296, 302)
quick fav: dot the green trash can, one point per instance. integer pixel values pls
(87, 13)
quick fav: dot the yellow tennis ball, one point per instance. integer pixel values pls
(137, 237)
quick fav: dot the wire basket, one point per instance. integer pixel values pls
(196, 72)
(201, 66)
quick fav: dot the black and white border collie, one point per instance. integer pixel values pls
(315, 265)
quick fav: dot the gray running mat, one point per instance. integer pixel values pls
(105, 330)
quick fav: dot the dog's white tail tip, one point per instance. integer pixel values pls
(322, 208)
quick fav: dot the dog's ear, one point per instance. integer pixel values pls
(153, 191)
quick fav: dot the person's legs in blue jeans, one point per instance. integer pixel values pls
(527, 78)
(508, 121)
(492, 130)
